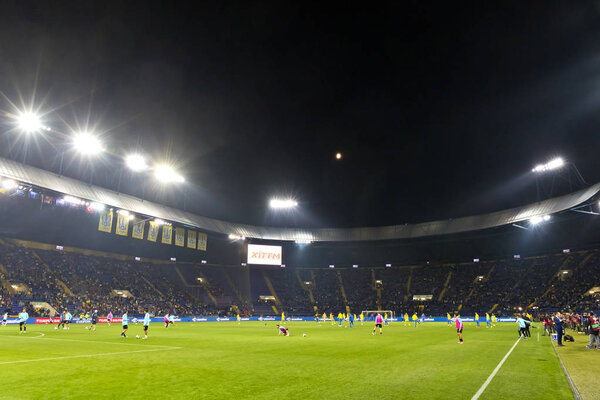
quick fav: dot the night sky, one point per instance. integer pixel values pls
(440, 109)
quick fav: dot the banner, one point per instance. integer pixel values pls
(105, 223)
(138, 230)
(153, 231)
(122, 224)
(167, 234)
(201, 241)
(191, 239)
(180, 237)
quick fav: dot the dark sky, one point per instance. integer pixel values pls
(440, 109)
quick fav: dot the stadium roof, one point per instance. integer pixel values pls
(68, 186)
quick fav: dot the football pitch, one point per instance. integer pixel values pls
(250, 361)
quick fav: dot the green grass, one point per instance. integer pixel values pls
(250, 361)
(582, 365)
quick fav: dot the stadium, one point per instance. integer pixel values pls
(135, 268)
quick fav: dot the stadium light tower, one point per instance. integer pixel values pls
(283, 204)
(136, 162)
(549, 166)
(88, 144)
(167, 174)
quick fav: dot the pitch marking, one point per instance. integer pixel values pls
(494, 372)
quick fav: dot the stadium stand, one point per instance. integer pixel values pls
(82, 282)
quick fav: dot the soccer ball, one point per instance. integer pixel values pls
(56, 328)
(137, 336)
(304, 334)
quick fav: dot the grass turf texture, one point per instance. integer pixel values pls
(250, 361)
(582, 365)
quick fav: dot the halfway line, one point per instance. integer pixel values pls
(494, 372)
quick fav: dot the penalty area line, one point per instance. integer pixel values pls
(84, 355)
(494, 372)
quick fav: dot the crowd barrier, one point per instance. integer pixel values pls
(103, 320)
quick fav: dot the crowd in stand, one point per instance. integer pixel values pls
(85, 282)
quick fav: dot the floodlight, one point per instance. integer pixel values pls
(332, 266)
(159, 221)
(173, 259)
(29, 122)
(550, 165)
(97, 206)
(279, 203)
(138, 259)
(388, 265)
(124, 213)
(9, 184)
(303, 241)
(355, 266)
(539, 219)
(87, 144)
(136, 162)
(167, 174)
(233, 236)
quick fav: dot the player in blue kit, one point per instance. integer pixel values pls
(23, 316)
(124, 323)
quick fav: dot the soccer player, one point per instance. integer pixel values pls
(459, 329)
(385, 318)
(415, 319)
(109, 318)
(283, 330)
(406, 319)
(124, 324)
(449, 319)
(324, 316)
(477, 319)
(147, 323)
(67, 324)
(238, 318)
(340, 319)
(378, 324)
(167, 321)
(94, 321)
(4, 318)
(23, 316)
(61, 320)
(487, 320)
(351, 320)
(493, 320)
(331, 318)
(362, 318)
(521, 322)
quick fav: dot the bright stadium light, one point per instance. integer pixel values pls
(29, 122)
(539, 219)
(9, 184)
(167, 174)
(553, 164)
(159, 222)
(233, 236)
(87, 144)
(279, 203)
(97, 206)
(136, 162)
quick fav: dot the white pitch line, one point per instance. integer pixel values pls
(85, 355)
(494, 372)
(43, 337)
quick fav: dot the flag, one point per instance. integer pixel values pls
(153, 231)
(191, 239)
(167, 234)
(122, 224)
(138, 230)
(201, 241)
(180, 237)
(105, 223)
